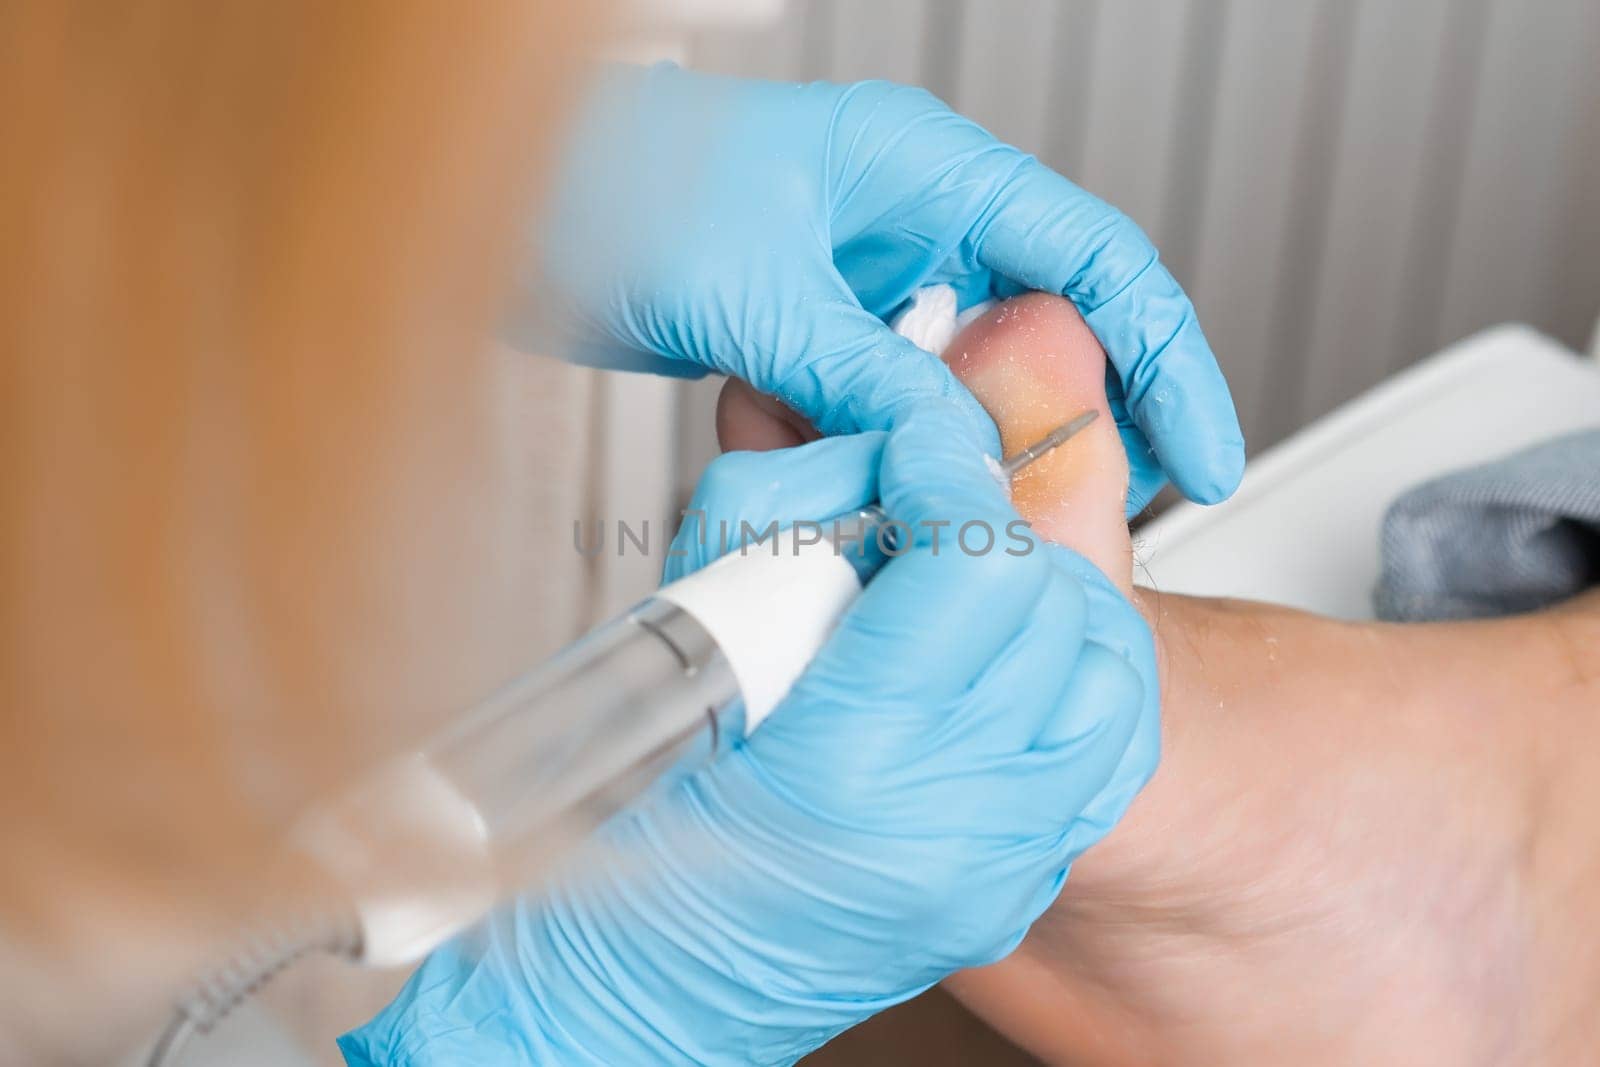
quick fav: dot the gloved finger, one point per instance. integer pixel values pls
(742, 494)
(964, 585)
(1098, 709)
(1065, 788)
(1083, 749)
(1145, 476)
(1016, 693)
(1117, 627)
(844, 370)
(1048, 234)
(1084, 709)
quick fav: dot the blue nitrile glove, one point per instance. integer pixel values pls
(767, 229)
(972, 725)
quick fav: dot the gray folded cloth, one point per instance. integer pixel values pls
(1512, 536)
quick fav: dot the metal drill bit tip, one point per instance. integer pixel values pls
(1049, 443)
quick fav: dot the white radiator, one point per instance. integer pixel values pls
(1344, 186)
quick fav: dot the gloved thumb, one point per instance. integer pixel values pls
(844, 370)
(742, 494)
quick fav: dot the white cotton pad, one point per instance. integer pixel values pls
(931, 321)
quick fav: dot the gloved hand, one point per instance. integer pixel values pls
(766, 230)
(972, 725)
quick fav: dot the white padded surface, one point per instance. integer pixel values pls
(1303, 528)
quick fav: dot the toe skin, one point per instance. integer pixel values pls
(1033, 363)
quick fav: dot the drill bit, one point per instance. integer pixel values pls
(1050, 442)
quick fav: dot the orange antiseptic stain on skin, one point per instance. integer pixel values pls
(1033, 364)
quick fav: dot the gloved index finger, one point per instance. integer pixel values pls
(968, 578)
(934, 470)
(1046, 233)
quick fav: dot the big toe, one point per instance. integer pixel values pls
(1033, 363)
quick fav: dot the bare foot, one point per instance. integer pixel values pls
(1366, 843)
(1361, 846)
